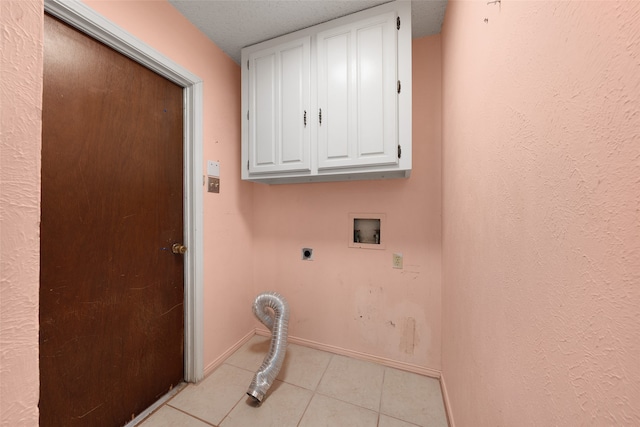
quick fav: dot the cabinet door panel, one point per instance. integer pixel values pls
(293, 105)
(264, 131)
(335, 124)
(357, 94)
(371, 100)
(279, 92)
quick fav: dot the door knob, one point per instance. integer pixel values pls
(177, 248)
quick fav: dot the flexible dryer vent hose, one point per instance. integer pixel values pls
(277, 322)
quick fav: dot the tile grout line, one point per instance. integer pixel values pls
(155, 407)
(315, 390)
(384, 375)
(384, 369)
(190, 415)
(232, 407)
(305, 409)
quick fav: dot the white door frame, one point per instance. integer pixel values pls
(85, 19)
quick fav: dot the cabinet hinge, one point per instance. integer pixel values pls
(398, 22)
(399, 151)
(399, 86)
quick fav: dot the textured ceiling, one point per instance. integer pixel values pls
(234, 24)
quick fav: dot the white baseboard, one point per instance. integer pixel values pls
(409, 367)
(447, 403)
(220, 360)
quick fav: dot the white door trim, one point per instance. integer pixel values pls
(85, 19)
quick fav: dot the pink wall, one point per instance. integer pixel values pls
(20, 128)
(347, 298)
(540, 228)
(227, 215)
(351, 298)
(541, 213)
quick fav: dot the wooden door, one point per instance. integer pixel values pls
(111, 290)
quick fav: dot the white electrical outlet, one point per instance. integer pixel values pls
(397, 261)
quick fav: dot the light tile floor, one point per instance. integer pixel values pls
(314, 389)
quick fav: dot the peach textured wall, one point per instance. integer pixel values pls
(227, 215)
(20, 128)
(347, 298)
(541, 213)
(351, 298)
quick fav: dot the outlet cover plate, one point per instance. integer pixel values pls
(397, 261)
(213, 168)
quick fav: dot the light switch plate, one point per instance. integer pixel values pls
(213, 168)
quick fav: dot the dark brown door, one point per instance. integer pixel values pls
(111, 290)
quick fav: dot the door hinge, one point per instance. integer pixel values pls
(247, 114)
(247, 64)
(399, 86)
(399, 151)
(398, 22)
(247, 164)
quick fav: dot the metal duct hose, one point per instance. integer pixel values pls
(277, 324)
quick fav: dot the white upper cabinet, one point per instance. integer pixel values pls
(331, 102)
(357, 91)
(279, 93)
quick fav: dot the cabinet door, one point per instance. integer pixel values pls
(279, 90)
(357, 94)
